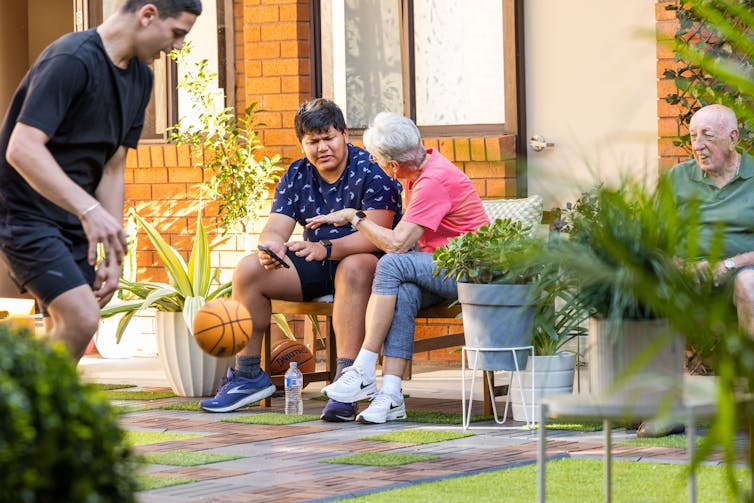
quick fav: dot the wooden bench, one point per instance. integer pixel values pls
(500, 208)
(327, 343)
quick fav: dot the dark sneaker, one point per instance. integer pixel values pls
(237, 392)
(383, 408)
(339, 412)
(657, 429)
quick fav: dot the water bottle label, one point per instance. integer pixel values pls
(292, 381)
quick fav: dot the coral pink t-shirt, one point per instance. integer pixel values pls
(444, 202)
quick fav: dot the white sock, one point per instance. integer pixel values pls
(391, 386)
(366, 361)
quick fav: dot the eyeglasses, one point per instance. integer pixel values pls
(373, 159)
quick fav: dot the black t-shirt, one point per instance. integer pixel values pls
(87, 106)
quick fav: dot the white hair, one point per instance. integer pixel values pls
(395, 138)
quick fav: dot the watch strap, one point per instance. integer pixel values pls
(328, 247)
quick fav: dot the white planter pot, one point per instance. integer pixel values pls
(191, 371)
(105, 341)
(553, 375)
(612, 349)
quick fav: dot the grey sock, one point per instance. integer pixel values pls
(342, 363)
(248, 366)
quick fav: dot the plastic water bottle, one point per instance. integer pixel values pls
(294, 383)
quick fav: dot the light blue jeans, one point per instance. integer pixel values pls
(409, 277)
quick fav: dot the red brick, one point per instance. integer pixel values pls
(666, 29)
(283, 31)
(477, 149)
(279, 137)
(184, 155)
(264, 85)
(263, 50)
(483, 169)
(138, 191)
(663, 14)
(264, 14)
(480, 186)
(294, 13)
(171, 155)
(461, 146)
(281, 102)
(157, 154)
(501, 187)
(145, 159)
(446, 148)
(297, 85)
(151, 175)
(132, 158)
(294, 49)
(668, 127)
(185, 175)
(292, 66)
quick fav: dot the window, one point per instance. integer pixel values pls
(210, 39)
(440, 62)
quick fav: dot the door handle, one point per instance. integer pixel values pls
(538, 143)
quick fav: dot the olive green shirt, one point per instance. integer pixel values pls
(730, 208)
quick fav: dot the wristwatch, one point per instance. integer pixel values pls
(358, 217)
(328, 246)
(729, 264)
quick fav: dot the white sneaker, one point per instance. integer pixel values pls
(351, 386)
(383, 408)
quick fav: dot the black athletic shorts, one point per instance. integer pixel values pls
(317, 277)
(45, 261)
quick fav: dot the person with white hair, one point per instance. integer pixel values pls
(441, 203)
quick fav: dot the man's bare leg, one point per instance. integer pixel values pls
(74, 319)
(353, 284)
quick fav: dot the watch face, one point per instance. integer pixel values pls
(361, 214)
(325, 242)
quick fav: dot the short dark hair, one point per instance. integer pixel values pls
(316, 116)
(166, 8)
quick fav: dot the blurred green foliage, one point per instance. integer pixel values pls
(59, 438)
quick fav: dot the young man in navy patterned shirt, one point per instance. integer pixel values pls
(329, 260)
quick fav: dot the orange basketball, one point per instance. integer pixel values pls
(288, 351)
(222, 327)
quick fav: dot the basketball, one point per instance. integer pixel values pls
(288, 351)
(222, 327)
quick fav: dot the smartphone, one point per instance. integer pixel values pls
(271, 254)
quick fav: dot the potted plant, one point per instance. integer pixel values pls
(619, 261)
(557, 321)
(191, 371)
(494, 289)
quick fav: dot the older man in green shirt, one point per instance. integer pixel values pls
(720, 179)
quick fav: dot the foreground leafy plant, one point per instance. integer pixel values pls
(59, 439)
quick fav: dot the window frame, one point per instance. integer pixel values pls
(513, 83)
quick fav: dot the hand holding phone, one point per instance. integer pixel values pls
(273, 256)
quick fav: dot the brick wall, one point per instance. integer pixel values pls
(668, 125)
(273, 69)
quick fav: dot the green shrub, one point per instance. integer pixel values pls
(59, 438)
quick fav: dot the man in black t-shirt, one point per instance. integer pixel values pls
(63, 147)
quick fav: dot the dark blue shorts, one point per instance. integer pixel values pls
(317, 277)
(45, 261)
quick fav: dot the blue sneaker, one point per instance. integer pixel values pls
(236, 392)
(339, 412)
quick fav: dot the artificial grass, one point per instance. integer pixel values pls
(190, 406)
(586, 426)
(271, 418)
(418, 436)
(127, 409)
(138, 395)
(379, 459)
(570, 481)
(186, 458)
(672, 441)
(107, 387)
(156, 437)
(422, 416)
(149, 481)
